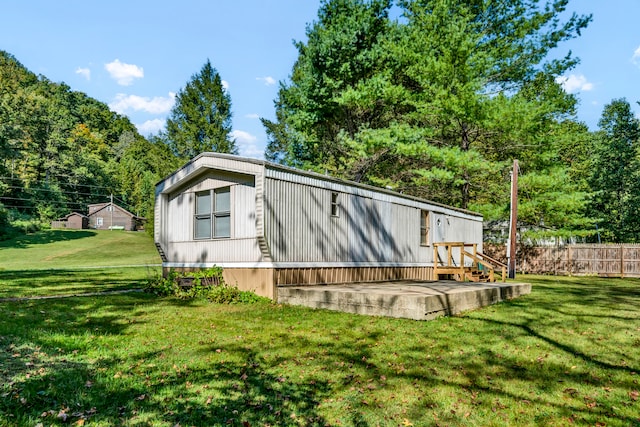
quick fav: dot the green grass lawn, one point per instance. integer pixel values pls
(62, 262)
(568, 354)
(65, 249)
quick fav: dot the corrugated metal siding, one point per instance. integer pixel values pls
(330, 183)
(243, 213)
(448, 228)
(373, 226)
(299, 226)
(177, 222)
(406, 229)
(215, 251)
(179, 219)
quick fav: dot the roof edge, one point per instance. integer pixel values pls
(316, 175)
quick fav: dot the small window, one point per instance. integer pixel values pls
(202, 229)
(222, 212)
(99, 221)
(213, 214)
(335, 204)
(424, 228)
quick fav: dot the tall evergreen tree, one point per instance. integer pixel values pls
(436, 104)
(201, 118)
(344, 49)
(616, 174)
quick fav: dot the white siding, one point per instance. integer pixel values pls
(281, 215)
(299, 226)
(215, 251)
(178, 222)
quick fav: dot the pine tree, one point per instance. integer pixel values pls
(436, 104)
(615, 179)
(201, 118)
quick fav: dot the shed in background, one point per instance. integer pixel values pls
(109, 216)
(74, 220)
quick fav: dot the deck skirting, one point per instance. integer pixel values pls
(332, 275)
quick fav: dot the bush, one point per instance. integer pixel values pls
(203, 284)
(5, 225)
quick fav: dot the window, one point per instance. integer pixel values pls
(213, 214)
(335, 204)
(424, 228)
(99, 221)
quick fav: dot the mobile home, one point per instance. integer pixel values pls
(269, 225)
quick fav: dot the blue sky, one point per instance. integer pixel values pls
(135, 55)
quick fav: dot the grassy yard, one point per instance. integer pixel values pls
(568, 354)
(53, 249)
(59, 262)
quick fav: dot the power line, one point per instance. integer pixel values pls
(15, 187)
(63, 176)
(63, 203)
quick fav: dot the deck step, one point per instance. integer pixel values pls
(477, 276)
(163, 256)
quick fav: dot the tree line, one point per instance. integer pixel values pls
(61, 150)
(431, 98)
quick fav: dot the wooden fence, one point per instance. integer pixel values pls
(622, 260)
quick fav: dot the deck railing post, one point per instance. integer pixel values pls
(435, 262)
(475, 256)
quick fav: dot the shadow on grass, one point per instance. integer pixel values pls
(47, 377)
(27, 283)
(44, 237)
(278, 365)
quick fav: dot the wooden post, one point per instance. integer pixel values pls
(435, 262)
(513, 223)
(463, 276)
(475, 256)
(622, 261)
(569, 259)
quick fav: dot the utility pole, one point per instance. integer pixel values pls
(513, 222)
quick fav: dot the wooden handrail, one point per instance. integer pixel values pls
(477, 257)
(492, 260)
(483, 263)
(503, 267)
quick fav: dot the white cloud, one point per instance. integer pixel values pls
(124, 73)
(84, 72)
(636, 57)
(155, 105)
(225, 85)
(247, 144)
(253, 116)
(151, 126)
(574, 83)
(268, 80)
